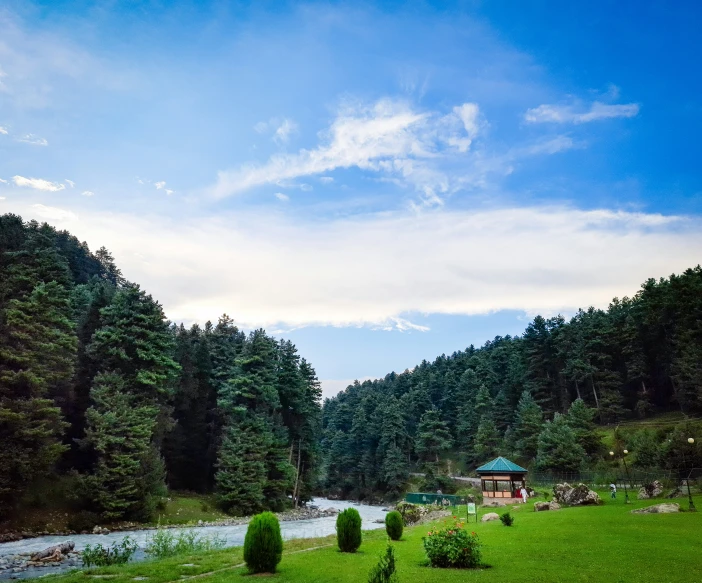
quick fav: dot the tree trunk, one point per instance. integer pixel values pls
(62, 549)
(297, 475)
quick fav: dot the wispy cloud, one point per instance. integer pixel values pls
(282, 196)
(53, 214)
(33, 140)
(281, 129)
(577, 115)
(388, 137)
(70, 182)
(3, 130)
(3, 181)
(160, 185)
(87, 193)
(38, 184)
(532, 259)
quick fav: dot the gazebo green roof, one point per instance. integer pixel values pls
(501, 464)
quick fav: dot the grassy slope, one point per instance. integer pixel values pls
(606, 544)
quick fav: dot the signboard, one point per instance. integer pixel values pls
(471, 507)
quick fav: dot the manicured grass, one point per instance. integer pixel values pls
(590, 544)
(189, 508)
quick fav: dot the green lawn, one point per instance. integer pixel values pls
(189, 508)
(603, 544)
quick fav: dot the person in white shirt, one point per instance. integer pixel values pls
(524, 494)
(613, 490)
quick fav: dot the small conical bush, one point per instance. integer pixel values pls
(263, 545)
(348, 530)
(394, 525)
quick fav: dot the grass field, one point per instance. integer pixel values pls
(189, 508)
(590, 544)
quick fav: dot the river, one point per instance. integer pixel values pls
(234, 536)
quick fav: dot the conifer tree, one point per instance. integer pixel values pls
(530, 420)
(559, 450)
(580, 420)
(433, 436)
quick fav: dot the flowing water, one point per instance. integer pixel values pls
(234, 535)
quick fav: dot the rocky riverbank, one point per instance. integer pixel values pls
(305, 513)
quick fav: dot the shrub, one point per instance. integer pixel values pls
(452, 546)
(384, 571)
(507, 519)
(348, 530)
(166, 543)
(393, 525)
(410, 513)
(263, 545)
(83, 520)
(118, 554)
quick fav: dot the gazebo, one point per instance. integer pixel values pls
(501, 478)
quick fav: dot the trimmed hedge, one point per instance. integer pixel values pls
(394, 525)
(263, 545)
(348, 530)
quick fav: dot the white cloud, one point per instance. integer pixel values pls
(2, 198)
(70, 182)
(3, 181)
(283, 131)
(378, 270)
(3, 130)
(169, 191)
(573, 114)
(160, 185)
(281, 196)
(87, 193)
(388, 137)
(326, 179)
(34, 140)
(38, 184)
(54, 214)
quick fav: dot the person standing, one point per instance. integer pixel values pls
(524, 494)
(613, 490)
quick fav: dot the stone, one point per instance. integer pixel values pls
(666, 508)
(493, 504)
(675, 493)
(554, 506)
(490, 516)
(651, 490)
(579, 495)
(541, 506)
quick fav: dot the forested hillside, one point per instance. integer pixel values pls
(536, 397)
(99, 390)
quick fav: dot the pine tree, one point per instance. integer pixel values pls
(37, 352)
(128, 477)
(487, 440)
(530, 420)
(580, 420)
(433, 436)
(242, 466)
(559, 450)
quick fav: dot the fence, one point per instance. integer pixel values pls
(633, 478)
(440, 499)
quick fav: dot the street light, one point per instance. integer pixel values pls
(691, 441)
(626, 494)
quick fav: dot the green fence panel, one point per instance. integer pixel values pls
(440, 499)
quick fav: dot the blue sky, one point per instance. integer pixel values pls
(379, 182)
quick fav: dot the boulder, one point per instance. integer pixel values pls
(651, 490)
(493, 504)
(55, 553)
(579, 495)
(675, 493)
(411, 513)
(666, 508)
(542, 506)
(490, 516)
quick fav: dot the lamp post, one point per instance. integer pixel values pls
(692, 508)
(624, 453)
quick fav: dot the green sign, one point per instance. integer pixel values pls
(471, 508)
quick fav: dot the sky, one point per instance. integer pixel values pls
(381, 183)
